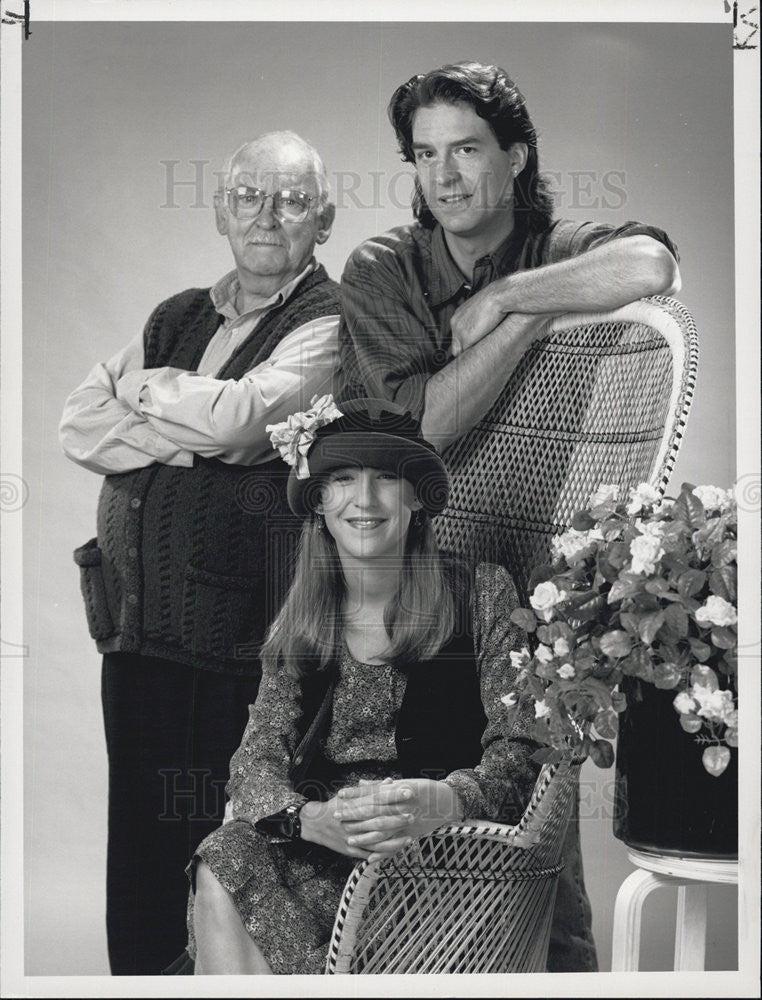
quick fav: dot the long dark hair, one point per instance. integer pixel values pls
(495, 98)
(307, 632)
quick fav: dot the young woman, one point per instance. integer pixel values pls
(398, 663)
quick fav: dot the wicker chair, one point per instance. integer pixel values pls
(601, 398)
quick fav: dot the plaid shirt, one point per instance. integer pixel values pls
(399, 292)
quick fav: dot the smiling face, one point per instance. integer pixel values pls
(367, 511)
(269, 252)
(465, 177)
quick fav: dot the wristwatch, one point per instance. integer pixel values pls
(292, 824)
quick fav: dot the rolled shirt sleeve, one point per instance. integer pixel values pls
(102, 434)
(226, 418)
(570, 239)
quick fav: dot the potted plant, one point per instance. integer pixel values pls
(637, 617)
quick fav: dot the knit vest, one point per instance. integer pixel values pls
(192, 564)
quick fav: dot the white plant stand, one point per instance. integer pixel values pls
(691, 876)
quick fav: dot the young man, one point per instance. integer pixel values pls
(436, 315)
(195, 536)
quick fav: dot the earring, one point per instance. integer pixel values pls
(417, 518)
(320, 522)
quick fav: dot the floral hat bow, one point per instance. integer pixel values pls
(293, 437)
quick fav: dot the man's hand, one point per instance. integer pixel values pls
(322, 823)
(419, 805)
(474, 319)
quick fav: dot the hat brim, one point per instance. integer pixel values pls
(423, 468)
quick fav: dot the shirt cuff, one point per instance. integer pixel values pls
(129, 388)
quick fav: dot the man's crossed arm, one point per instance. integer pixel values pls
(126, 417)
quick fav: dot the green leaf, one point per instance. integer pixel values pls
(602, 753)
(657, 586)
(599, 689)
(677, 619)
(540, 574)
(582, 521)
(524, 619)
(704, 676)
(689, 508)
(638, 664)
(543, 634)
(618, 701)
(725, 553)
(723, 582)
(629, 621)
(627, 585)
(615, 643)
(608, 572)
(649, 625)
(617, 554)
(724, 638)
(687, 487)
(666, 676)
(676, 562)
(690, 723)
(606, 723)
(700, 650)
(691, 582)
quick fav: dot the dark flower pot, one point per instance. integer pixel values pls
(665, 800)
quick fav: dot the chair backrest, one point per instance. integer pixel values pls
(473, 897)
(602, 398)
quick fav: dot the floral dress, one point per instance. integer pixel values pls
(287, 892)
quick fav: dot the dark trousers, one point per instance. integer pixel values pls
(171, 730)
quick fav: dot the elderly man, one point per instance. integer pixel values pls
(194, 533)
(437, 314)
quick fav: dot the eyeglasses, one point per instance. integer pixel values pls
(288, 205)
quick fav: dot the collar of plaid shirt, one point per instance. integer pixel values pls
(447, 281)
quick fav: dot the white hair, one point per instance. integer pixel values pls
(286, 136)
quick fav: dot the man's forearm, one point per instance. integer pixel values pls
(605, 277)
(459, 395)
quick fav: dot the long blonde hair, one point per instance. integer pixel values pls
(307, 632)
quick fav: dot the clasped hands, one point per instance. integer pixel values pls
(376, 818)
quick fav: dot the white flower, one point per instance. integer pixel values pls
(653, 529)
(646, 551)
(293, 437)
(712, 497)
(519, 659)
(542, 709)
(683, 703)
(572, 542)
(714, 705)
(716, 611)
(731, 719)
(604, 493)
(543, 654)
(545, 597)
(561, 647)
(644, 495)
(510, 700)
(566, 671)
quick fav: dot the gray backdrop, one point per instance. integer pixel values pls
(635, 123)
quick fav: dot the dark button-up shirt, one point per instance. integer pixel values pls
(399, 292)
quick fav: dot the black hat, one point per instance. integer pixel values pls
(378, 434)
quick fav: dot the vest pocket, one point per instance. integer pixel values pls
(99, 621)
(222, 616)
